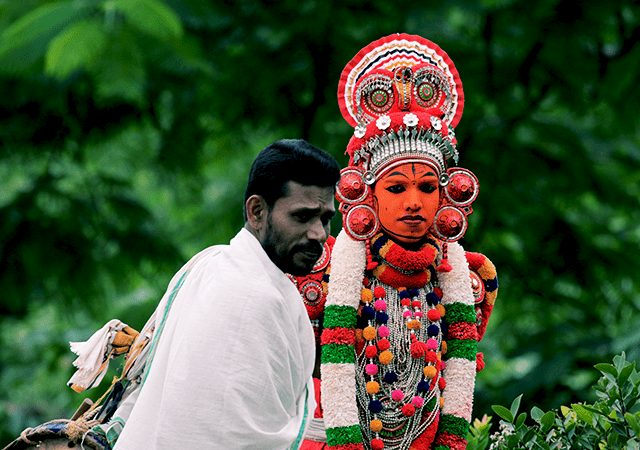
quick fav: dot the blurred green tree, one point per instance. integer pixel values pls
(127, 128)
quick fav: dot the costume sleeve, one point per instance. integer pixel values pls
(484, 279)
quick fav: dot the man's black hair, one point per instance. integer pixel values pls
(289, 160)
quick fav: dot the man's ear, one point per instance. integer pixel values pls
(257, 212)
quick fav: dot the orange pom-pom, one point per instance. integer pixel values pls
(373, 387)
(440, 308)
(385, 357)
(369, 333)
(443, 347)
(430, 372)
(441, 402)
(375, 425)
(366, 295)
(413, 324)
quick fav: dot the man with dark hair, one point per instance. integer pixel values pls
(230, 349)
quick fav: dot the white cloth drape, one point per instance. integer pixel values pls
(232, 367)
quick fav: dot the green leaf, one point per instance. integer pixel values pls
(547, 421)
(149, 16)
(503, 413)
(120, 73)
(583, 413)
(515, 405)
(565, 411)
(625, 373)
(48, 19)
(75, 48)
(520, 420)
(607, 369)
(633, 423)
(536, 413)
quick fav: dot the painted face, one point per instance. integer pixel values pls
(297, 226)
(407, 198)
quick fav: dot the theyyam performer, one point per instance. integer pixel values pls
(406, 305)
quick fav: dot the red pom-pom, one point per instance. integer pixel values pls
(384, 344)
(445, 266)
(377, 444)
(442, 383)
(479, 362)
(379, 292)
(416, 304)
(431, 357)
(433, 315)
(365, 282)
(438, 292)
(405, 302)
(372, 265)
(418, 349)
(408, 410)
(371, 351)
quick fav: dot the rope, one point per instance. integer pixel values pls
(24, 437)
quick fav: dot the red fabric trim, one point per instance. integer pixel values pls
(338, 335)
(450, 439)
(462, 330)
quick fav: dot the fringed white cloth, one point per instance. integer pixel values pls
(93, 356)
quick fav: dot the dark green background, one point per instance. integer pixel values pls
(127, 128)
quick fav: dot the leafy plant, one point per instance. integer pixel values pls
(612, 423)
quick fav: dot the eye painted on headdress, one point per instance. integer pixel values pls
(375, 94)
(431, 87)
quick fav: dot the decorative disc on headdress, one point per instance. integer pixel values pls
(394, 58)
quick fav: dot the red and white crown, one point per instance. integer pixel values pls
(403, 96)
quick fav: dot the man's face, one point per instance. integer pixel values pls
(407, 198)
(297, 227)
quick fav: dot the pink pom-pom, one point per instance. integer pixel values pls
(376, 444)
(379, 292)
(397, 395)
(417, 401)
(380, 305)
(371, 369)
(383, 331)
(441, 365)
(406, 314)
(432, 344)
(418, 314)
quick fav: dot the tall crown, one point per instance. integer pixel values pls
(403, 96)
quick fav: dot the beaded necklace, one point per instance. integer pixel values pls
(398, 376)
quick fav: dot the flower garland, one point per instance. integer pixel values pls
(339, 392)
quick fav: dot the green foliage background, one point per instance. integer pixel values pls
(127, 128)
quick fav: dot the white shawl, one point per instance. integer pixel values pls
(232, 367)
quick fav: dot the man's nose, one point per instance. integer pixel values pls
(317, 231)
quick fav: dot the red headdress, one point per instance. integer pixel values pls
(404, 97)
